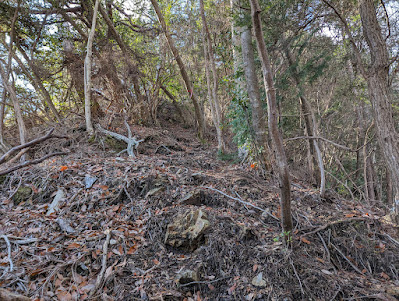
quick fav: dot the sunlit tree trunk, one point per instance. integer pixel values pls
(279, 152)
(87, 71)
(198, 113)
(210, 62)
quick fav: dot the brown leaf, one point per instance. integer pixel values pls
(131, 250)
(255, 267)
(73, 245)
(305, 240)
(64, 296)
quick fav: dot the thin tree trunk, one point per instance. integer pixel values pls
(37, 83)
(377, 81)
(17, 107)
(208, 85)
(279, 152)
(87, 71)
(3, 145)
(209, 60)
(198, 113)
(259, 117)
(311, 128)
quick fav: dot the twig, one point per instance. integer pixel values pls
(203, 282)
(321, 228)
(325, 247)
(321, 138)
(9, 251)
(32, 162)
(241, 201)
(104, 262)
(391, 239)
(297, 276)
(21, 241)
(164, 148)
(347, 259)
(343, 184)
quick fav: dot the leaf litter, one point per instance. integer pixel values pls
(104, 237)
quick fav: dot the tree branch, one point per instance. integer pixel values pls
(32, 162)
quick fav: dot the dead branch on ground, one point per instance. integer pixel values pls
(32, 162)
(17, 148)
(132, 142)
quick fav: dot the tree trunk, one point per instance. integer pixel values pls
(198, 113)
(87, 71)
(210, 64)
(17, 108)
(37, 83)
(377, 81)
(259, 117)
(318, 171)
(4, 147)
(279, 152)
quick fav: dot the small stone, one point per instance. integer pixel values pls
(23, 194)
(259, 281)
(187, 276)
(89, 181)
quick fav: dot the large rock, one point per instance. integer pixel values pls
(187, 230)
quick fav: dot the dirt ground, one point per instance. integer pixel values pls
(106, 240)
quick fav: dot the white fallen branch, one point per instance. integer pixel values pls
(100, 276)
(132, 142)
(9, 251)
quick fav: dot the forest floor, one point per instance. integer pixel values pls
(105, 239)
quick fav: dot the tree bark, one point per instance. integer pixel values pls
(87, 71)
(198, 113)
(259, 118)
(210, 64)
(378, 88)
(279, 152)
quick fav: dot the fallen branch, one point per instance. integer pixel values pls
(17, 148)
(321, 228)
(104, 262)
(6, 295)
(132, 142)
(8, 250)
(347, 259)
(32, 162)
(242, 202)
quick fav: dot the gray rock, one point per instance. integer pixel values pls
(187, 230)
(259, 281)
(187, 276)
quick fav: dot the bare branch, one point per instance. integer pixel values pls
(32, 162)
(15, 149)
